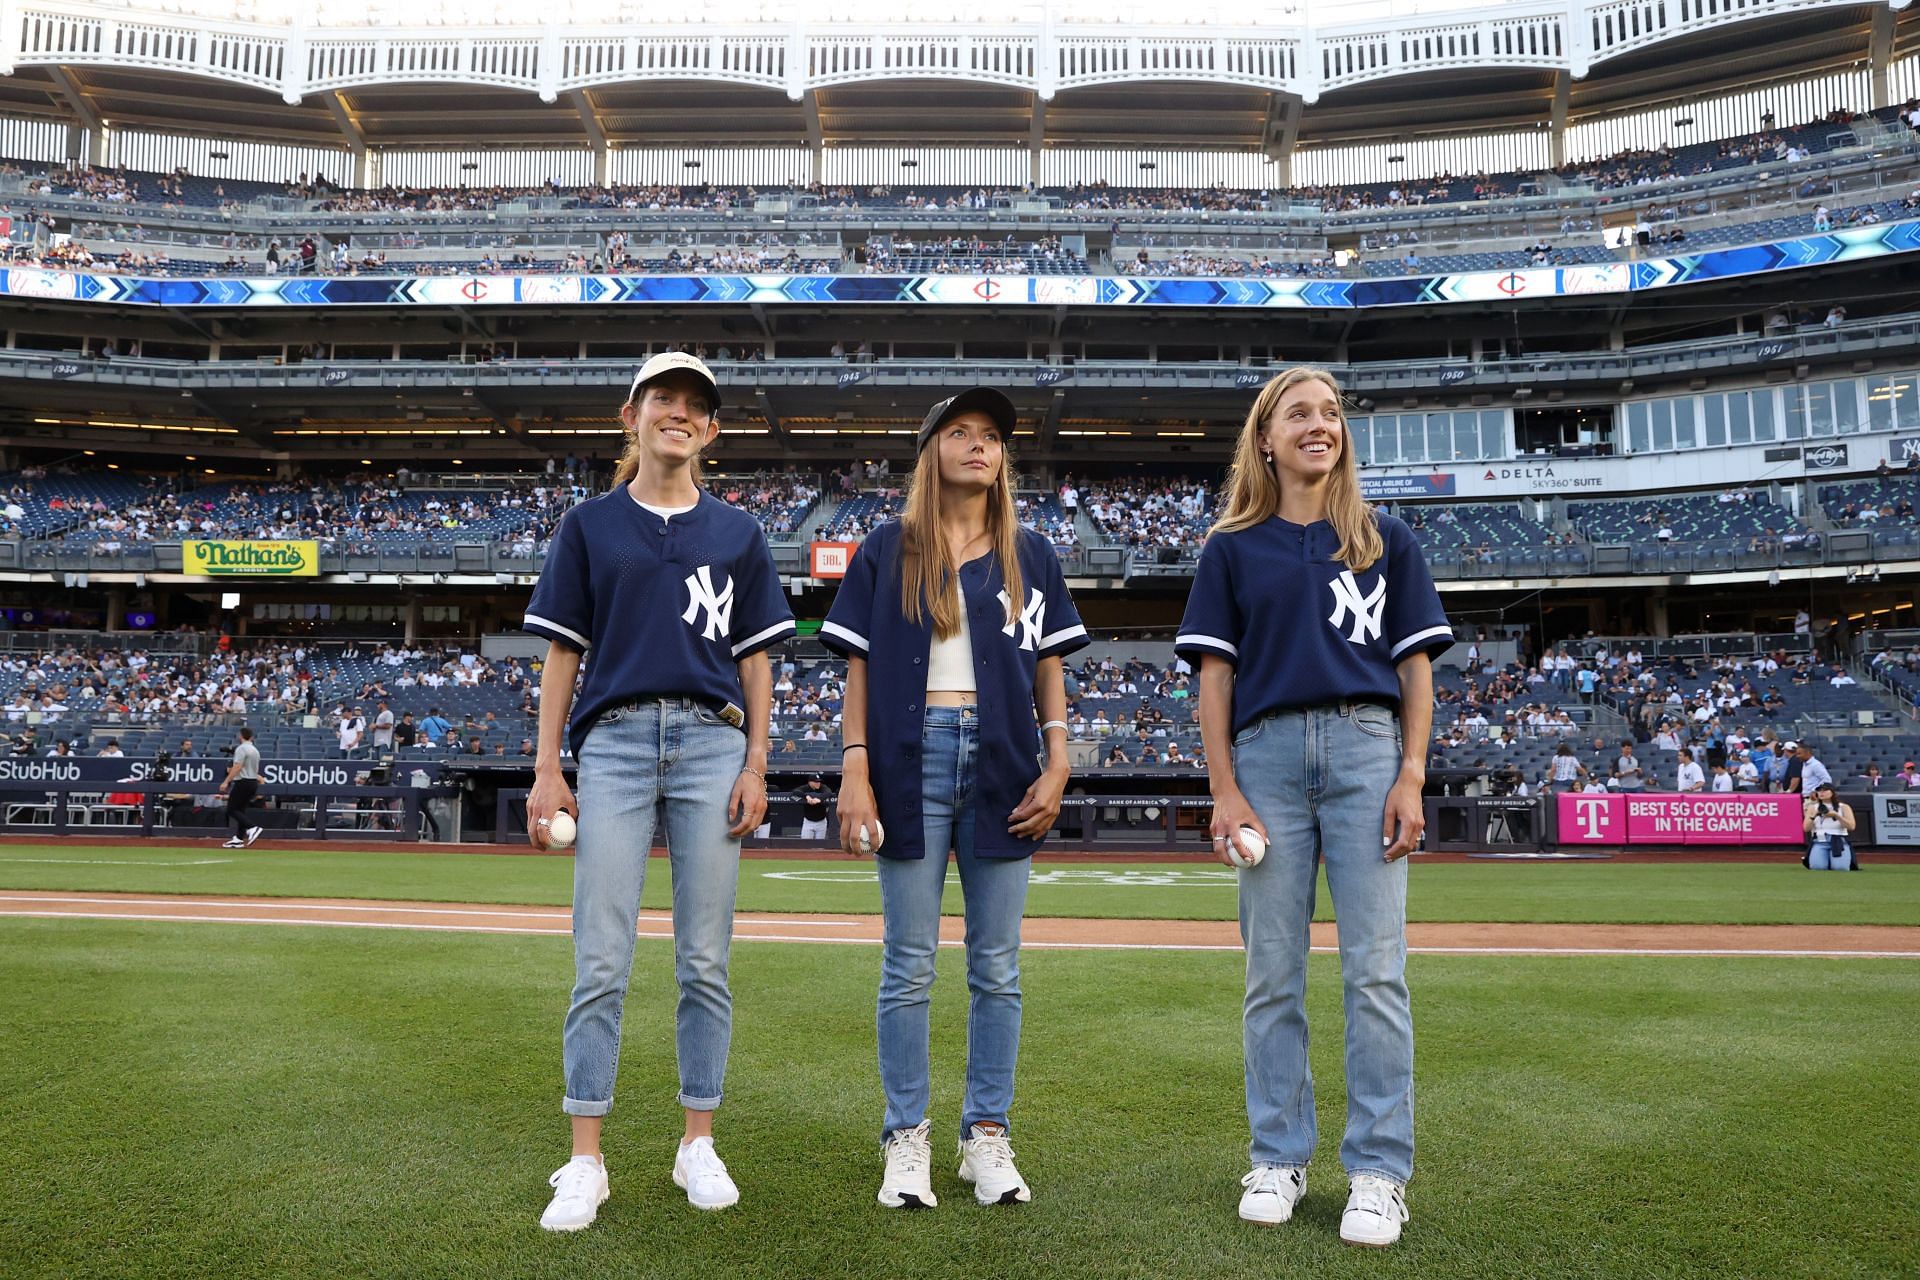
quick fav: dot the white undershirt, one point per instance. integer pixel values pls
(665, 513)
(950, 661)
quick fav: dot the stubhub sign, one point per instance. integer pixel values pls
(1726, 818)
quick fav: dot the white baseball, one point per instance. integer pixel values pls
(561, 830)
(1246, 849)
(869, 841)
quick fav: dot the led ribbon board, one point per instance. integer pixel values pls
(1851, 245)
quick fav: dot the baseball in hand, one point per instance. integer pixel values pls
(869, 841)
(561, 831)
(1247, 848)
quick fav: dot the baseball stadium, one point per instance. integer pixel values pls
(918, 551)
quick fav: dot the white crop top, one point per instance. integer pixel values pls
(950, 661)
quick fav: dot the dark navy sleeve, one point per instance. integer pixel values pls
(1415, 621)
(761, 616)
(562, 604)
(849, 621)
(1061, 631)
(1213, 622)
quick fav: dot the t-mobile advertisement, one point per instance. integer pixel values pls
(1679, 819)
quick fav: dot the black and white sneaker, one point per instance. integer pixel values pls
(235, 843)
(253, 833)
(1271, 1192)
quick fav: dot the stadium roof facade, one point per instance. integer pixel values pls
(1305, 79)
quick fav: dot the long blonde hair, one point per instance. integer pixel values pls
(927, 570)
(629, 464)
(1253, 483)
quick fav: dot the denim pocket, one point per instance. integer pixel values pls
(610, 717)
(1376, 721)
(1249, 733)
(707, 715)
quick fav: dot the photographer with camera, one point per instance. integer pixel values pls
(1829, 825)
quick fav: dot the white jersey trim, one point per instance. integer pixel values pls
(535, 620)
(1206, 642)
(774, 630)
(853, 638)
(1429, 634)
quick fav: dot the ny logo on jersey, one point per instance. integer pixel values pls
(718, 606)
(1368, 611)
(1029, 619)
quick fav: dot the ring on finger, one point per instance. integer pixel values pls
(544, 822)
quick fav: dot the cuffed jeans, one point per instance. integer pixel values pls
(1319, 778)
(654, 758)
(995, 892)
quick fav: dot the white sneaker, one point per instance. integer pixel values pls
(579, 1189)
(986, 1160)
(1271, 1193)
(235, 843)
(697, 1170)
(908, 1182)
(1376, 1210)
(253, 833)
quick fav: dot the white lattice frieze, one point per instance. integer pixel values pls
(1308, 59)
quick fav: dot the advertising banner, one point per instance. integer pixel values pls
(1736, 818)
(1385, 488)
(250, 559)
(829, 559)
(30, 773)
(1896, 819)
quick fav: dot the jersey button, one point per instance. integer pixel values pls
(913, 706)
(916, 662)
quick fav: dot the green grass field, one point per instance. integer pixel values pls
(222, 1100)
(1580, 892)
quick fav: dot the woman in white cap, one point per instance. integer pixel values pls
(953, 620)
(674, 594)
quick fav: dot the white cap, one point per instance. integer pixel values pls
(666, 362)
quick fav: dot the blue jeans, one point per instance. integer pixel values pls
(1821, 854)
(648, 759)
(995, 891)
(1319, 779)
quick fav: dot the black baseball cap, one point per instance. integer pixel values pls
(973, 400)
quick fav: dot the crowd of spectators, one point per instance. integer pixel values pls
(1149, 514)
(780, 502)
(341, 517)
(1187, 263)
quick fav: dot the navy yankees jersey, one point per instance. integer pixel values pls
(662, 608)
(1299, 626)
(866, 621)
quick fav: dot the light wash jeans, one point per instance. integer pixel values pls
(995, 891)
(1820, 855)
(1319, 778)
(652, 758)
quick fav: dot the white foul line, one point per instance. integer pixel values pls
(9, 907)
(109, 862)
(519, 912)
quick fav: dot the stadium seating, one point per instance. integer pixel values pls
(1692, 518)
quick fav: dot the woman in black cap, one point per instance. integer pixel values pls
(953, 620)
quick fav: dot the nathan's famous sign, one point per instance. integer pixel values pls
(250, 559)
